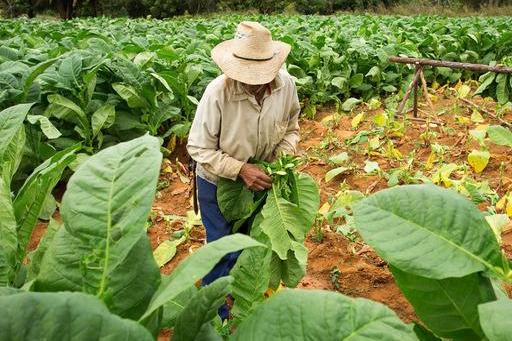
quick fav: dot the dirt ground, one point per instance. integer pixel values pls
(337, 262)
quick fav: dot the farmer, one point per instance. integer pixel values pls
(248, 113)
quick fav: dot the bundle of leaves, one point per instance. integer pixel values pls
(279, 218)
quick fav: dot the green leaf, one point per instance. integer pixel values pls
(49, 207)
(166, 251)
(195, 267)
(335, 172)
(36, 256)
(495, 319)
(252, 275)
(424, 334)
(103, 249)
(370, 166)
(500, 135)
(448, 307)
(31, 197)
(12, 157)
(99, 119)
(309, 199)
(321, 315)
(130, 95)
(339, 82)
(339, 159)
(235, 200)
(58, 100)
(174, 307)
(194, 322)
(280, 219)
(11, 120)
(502, 91)
(47, 127)
(8, 240)
(428, 231)
(54, 316)
(350, 104)
(486, 79)
(34, 72)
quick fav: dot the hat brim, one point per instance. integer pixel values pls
(249, 71)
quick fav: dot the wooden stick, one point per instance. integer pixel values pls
(425, 91)
(408, 92)
(420, 119)
(487, 112)
(453, 65)
(419, 70)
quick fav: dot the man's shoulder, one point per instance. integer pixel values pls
(217, 85)
(287, 79)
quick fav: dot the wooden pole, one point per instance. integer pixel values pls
(408, 92)
(453, 65)
(425, 91)
(419, 71)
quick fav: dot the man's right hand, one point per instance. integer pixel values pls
(254, 177)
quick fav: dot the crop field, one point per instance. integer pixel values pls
(384, 226)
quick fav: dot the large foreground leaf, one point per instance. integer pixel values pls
(31, 197)
(8, 237)
(449, 307)
(103, 249)
(495, 319)
(235, 200)
(252, 275)
(428, 231)
(194, 322)
(12, 156)
(196, 266)
(280, 219)
(321, 315)
(309, 199)
(62, 316)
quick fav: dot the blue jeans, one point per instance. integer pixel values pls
(216, 227)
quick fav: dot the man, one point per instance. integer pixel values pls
(248, 113)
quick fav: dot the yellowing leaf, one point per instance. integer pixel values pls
(381, 119)
(477, 117)
(374, 104)
(392, 152)
(171, 145)
(324, 208)
(463, 91)
(444, 173)
(374, 143)
(500, 205)
(478, 159)
(462, 119)
(430, 161)
(357, 120)
(435, 85)
(508, 209)
(327, 119)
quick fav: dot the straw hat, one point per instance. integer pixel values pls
(252, 57)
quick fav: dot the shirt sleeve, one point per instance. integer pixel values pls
(203, 140)
(291, 138)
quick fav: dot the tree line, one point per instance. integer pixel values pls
(67, 9)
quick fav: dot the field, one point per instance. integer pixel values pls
(96, 215)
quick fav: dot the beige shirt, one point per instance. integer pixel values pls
(230, 127)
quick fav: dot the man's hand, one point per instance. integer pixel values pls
(254, 177)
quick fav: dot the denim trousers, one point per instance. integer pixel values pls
(216, 227)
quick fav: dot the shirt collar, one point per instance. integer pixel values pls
(239, 94)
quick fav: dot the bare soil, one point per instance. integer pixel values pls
(337, 263)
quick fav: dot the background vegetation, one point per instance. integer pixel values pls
(67, 9)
